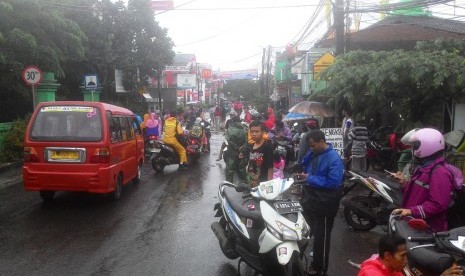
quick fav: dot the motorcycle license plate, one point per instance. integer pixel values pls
(288, 207)
(155, 150)
(194, 146)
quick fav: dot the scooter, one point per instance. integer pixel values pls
(163, 155)
(263, 227)
(194, 149)
(364, 212)
(429, 253)
(150, 145)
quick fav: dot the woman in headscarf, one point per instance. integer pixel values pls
(152, 126)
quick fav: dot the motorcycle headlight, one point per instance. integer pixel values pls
(274, 233)
(287, 233)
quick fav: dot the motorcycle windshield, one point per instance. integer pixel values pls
(272, 189)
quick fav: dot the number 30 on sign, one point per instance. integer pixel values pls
(32, 75)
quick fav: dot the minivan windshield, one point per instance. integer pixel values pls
(67, 123)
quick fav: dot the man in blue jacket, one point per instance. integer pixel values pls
(324, 172)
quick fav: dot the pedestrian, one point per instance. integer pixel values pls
(260, 164)
(247, 115)
(217, 118)
(232, 116)
(321, 195)
(256, 116)
(427, 192)
(390, 260)
(236, 136)
(358, 138)
(278, 164)
(269, 123)
(347, 125)
(303, 145)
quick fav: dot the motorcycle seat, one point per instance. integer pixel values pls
(241, 205)
(424, 258)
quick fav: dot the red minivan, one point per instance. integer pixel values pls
(81, 146)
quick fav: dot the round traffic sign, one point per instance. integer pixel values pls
(32, 75)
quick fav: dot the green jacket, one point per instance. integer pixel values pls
(236, 136)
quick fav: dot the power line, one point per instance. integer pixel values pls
(244, 8)
(309, 22)
(411, 4)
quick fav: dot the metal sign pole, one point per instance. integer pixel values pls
(34, 99)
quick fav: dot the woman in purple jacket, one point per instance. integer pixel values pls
(427, 194)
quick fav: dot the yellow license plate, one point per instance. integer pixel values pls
(64, 155)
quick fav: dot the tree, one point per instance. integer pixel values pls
(76, 37)
(32, 34)
(406, 86)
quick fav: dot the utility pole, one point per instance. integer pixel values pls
(268, 71)
(159, 74)
(338, 10)
(262, 77)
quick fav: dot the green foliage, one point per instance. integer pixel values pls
(97, 38)
(409, 86)
(13, 140)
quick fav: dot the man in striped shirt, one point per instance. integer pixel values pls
(358, 138)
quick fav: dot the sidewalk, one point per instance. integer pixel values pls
(10, 173)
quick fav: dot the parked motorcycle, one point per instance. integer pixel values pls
(364, 212)
(384, 148)
(264, 227)
(429, 253)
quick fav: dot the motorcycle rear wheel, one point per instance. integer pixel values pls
(355, 221)
(157, 166)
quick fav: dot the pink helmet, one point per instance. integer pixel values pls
(426, 142)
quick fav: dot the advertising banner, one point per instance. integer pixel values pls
(161, 5)
(239, 75)
(334, 137)
(185, 81)
(206, 73)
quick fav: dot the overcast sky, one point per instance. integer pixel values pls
(233, 39)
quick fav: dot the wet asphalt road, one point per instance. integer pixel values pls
(159, 227)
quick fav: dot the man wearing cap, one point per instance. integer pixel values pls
(303, 145)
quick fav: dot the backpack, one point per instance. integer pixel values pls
(456, 212)
(236, 136)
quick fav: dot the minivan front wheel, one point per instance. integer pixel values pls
(47, 196)
(116, 194)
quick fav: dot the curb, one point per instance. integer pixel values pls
(8, 166)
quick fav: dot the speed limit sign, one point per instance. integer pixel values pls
(32, 75)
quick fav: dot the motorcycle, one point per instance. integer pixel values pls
(381, 156)
(163, 155)
(194, 149)
(150, 145)
(263, 227)
(208, 133)
(364, 212)
(429, 253)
